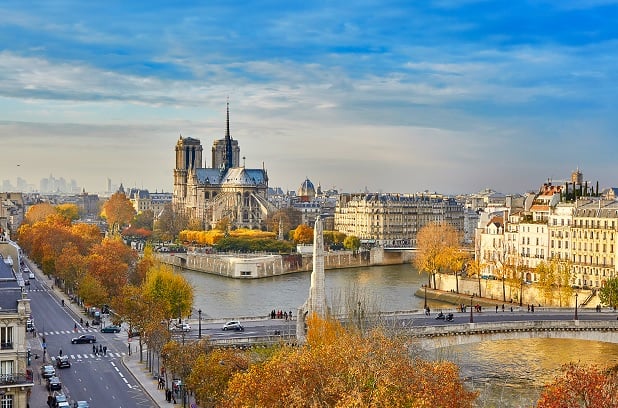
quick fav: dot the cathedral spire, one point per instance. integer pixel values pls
(229, 162)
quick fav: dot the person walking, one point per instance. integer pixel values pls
(94, 349)
(104, 350)
(60, 353)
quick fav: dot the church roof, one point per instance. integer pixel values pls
(236, 176)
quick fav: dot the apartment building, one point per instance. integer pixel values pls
(16, 380)
(391, 219)
(594, 233)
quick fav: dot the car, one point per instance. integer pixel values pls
(233, 325)
(110, 329)
(31, 275)
(48, 371)
(54, 384)
(61, 399)
(82, 404)
(63, 362)
(30, 325)
(182, 327)
(27, 282)
(84, 338)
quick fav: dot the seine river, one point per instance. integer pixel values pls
(507, 373)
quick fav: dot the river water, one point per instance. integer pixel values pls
(506, 373)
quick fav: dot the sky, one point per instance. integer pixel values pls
(451, 96)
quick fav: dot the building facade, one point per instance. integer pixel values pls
(225, 191)
(393, 220)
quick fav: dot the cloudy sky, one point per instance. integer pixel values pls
(396, 96)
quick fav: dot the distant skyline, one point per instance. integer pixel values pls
(451, 96)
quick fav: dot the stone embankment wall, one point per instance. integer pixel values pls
(259, 266)
(492, 291)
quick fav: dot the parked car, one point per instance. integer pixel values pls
(82, 404)
(61, 399)
(84, 338)
(182, 327)
(54, 384)
(111, 329)
(233, 325)
(48, 371)
(63, 362)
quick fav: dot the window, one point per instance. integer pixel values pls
(6, 338)
(6, 401)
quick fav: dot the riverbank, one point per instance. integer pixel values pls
(457, 299)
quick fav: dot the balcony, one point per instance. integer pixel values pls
(6, 346)
(16, 378)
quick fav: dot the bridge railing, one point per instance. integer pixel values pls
(545, 325)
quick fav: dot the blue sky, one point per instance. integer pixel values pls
(394, 96)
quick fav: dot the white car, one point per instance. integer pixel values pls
(182, 327)
(233, 325)
(31, 275)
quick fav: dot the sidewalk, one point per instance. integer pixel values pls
(147, 381)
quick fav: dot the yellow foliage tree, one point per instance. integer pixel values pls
(303, 234)
(339, 368)
(438, 245)
(173, 292)
(118, 211)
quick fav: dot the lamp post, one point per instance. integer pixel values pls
(425, 286)
(471, 316)
(576, 318)
(199, 332)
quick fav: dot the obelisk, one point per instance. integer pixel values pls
(316, 303)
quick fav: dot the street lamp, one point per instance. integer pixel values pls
(471, 317)
(425, 286)
(199, 314)
(576, 318)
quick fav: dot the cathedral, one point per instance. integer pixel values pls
(226, 190)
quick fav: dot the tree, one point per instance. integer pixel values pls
(118, 211)
(581, 386)
(68, 211)
(608, 294)
(172, 291)
(111, 262)
(437, 243)
(344, 368)
(303, 234)
(170, 223)
(352, 243)
(39, 212)
(143, 219)
(547, 280)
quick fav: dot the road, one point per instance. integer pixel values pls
(102, 380)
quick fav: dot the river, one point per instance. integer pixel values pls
(507, 373)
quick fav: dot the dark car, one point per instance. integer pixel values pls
(111, 329)
(54, 384)
(48, 371)
(84, 338)
(63, 362)
(233, 325)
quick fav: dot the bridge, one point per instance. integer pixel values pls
(432, 337)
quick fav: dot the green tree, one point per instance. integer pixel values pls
(609, 293)
(352, 243)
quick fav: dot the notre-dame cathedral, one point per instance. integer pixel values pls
(225, 190)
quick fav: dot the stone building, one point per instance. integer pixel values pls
(394, 219)
(226, 190)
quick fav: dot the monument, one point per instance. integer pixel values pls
(316, 303)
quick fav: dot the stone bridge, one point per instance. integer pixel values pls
(432, 337)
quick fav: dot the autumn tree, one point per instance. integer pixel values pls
(303, 234)
(211, 373)
(111, 262)
(437, 244)
(173, 292)
(143, 219)
(71, 266)
(68, 211)
(547, 279)
(342, 368)
(581, 386)
(351, 243)
(608, 294)
(118, 211)
(92, 291)
(39, 212)
(169, 223)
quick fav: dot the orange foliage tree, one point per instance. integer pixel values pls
(581, 386)
(303, 234)
(118, 211)
(110, 262)
(344, 368)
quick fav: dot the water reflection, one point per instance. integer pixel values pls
(511, 373)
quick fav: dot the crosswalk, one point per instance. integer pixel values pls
(76, 332)
(93, 356)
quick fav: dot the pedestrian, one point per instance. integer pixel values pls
(129, 348)
(94, 349)
(75, 327)
(60, 353)
(503, 307)
(532, 308)
(100, 349)
(104, 350)
(496, 308)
